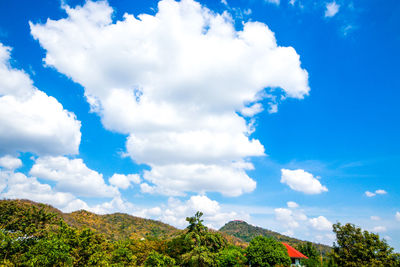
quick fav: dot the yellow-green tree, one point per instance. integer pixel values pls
(358, 248)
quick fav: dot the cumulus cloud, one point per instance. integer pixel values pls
(294, 219)
(332, 9)
(377, 192)
(214, 216)
(124, 181)
(72, 175)
(375, 218)
(10, 162)
(30, 120)
(379, 229)
(321, 223)
(184, 84)
(397, 216)
(292, 204)
(286, 216)
(302, 181)
(18, 185)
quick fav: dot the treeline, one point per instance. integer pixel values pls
(31, 235)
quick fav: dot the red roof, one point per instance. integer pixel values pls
(293, 253)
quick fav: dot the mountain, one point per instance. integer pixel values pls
(247, 232)
(115, 226)
(119, 226)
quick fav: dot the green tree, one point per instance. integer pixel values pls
(197, 246)
(355, 247)
(309, 250)
(265, 251)
(156, 259)
(231, 256)
(122, 255)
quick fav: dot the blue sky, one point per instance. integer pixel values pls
(281, 113)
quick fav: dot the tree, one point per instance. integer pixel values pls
(355, 247)
(156, 259)
(311, 252)
(198, 246)
(265, 251)
(231, 256)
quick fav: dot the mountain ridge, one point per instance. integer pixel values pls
(119, 226)
(245, 232)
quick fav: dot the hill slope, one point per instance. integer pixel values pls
(118, 226)
(114, 226)
(247, 232)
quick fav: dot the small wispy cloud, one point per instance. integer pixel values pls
(375, 218)
(331, 9)
(379, 229)
(377, 192)
(277, 2)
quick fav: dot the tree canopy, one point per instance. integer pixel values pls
(355, 247)
(265, 251)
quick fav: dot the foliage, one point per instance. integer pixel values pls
(355, 247)
(159, 260)
(197, 246)
(265, 251)
(33, 234)
(309, 250)
(119, 226)
(231, 256)
(30, 220)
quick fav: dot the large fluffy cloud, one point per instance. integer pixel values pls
(176, 211)
(9, 162)
(72, 175)
(18, 185)
(300, 180)
(30, 120)
(184, 84)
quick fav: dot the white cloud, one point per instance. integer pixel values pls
(377, 192)
(292, 204)
(380, 192)
(30, 120)
(379, 229)
(176, 82)
(292, 2)
(286, 217)
(276, 2)
(369, 194)
(302, 181)
(331, 9)
(397, 216)
(10, 162)
(124, 181)
(321, 223)
(175, 179)
(117, 204)
(18, 185)
(214, 216)
(72, 175)
(375, 218)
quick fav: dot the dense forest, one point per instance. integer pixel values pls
(33, 234)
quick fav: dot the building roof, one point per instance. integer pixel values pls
(293, 253)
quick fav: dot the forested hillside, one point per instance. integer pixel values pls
(33, 234)
(247, 232)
